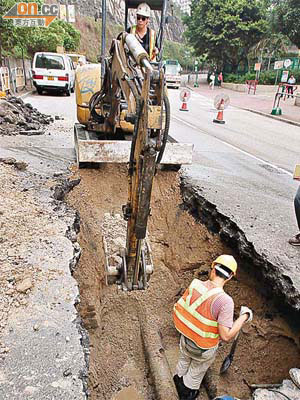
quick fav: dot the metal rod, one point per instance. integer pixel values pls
(147, 64)
(137, 262)
(265, 386)
(25, 80)
(126, 17)
(162, 24)
(103, 39)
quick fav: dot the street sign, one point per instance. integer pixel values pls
(257, 67)
(278, 64)
(287, 63)
(221, 99)
(284, 76)
(185, 94)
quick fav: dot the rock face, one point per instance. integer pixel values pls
(116, 14)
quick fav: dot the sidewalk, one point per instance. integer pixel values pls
(258, 103)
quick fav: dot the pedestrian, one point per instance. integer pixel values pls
(212, 81)
(203, 316)
(290, 87)
(295, 240)
(220, 79)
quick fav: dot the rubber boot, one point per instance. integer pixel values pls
(193, 394)
(182, 390)
(177, 382)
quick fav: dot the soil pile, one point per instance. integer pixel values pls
(18, 118)
(181, 248)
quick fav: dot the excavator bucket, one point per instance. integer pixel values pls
(89, 149)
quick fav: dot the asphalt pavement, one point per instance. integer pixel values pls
(244, 168)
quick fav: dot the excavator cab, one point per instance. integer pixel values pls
(127, 120)
(94, 142)
(155, 5)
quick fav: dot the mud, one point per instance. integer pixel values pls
(182, 248)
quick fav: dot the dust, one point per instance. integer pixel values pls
(181, 249)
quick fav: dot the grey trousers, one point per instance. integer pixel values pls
(193, 365)
(297, 206)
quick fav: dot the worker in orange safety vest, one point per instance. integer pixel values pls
(145, 35)
(203, 316)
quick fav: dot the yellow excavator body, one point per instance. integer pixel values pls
(87, 82)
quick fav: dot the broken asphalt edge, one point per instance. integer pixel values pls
(56, 354)
(273, 279)
(281, 119)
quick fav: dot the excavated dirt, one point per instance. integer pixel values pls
(18, 118)
(181, 248)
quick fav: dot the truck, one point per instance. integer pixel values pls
(172, 73)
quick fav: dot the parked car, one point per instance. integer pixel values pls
(53, 71)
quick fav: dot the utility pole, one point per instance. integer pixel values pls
(67, 10)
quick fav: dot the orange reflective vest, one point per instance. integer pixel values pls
(192, 315)
(152, 41)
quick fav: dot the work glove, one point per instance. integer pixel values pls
(246, 310)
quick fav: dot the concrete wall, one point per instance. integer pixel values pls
(242, 87)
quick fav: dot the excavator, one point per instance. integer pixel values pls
(124, 117)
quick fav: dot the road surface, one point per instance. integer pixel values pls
(243, 167)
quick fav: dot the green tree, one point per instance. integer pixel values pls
(225, 30)
(286, 17)
(180, 52)
(10, 35)
(35, 39)
(59, 33)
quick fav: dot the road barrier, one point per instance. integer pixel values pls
(19, 78)
(4, 79)
(283, 90)
(252, 85)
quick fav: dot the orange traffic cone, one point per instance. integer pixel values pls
(219, 119)
(184, 103)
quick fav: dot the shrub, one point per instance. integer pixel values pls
(265, 77)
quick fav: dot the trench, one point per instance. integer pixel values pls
(122, 326)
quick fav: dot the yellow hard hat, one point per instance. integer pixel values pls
(228, 262)
(143, 10)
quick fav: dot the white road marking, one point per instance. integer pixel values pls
(236, 148)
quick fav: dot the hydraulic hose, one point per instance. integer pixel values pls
(166, 129)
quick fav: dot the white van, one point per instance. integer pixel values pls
(53, 71)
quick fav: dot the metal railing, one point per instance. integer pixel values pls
(251, 84)
(284, 90)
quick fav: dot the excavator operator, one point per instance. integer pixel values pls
(145, 35)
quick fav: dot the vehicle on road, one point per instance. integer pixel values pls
(172, 73)
(53, 71)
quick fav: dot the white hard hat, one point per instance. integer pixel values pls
(143, 10)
